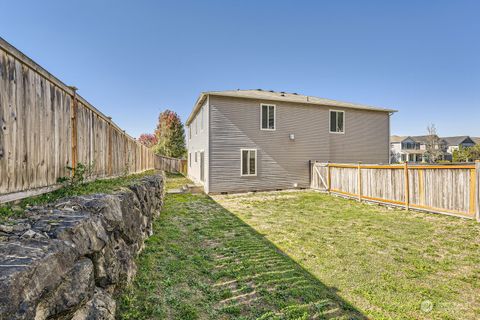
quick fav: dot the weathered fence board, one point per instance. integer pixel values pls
(450, 189)
(46, 127)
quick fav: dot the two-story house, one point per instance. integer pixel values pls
(249, 140)
(414, 148)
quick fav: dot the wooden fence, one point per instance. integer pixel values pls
(447, 189)
(47, 127)
(171, 164)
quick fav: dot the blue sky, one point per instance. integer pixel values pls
(132, 59)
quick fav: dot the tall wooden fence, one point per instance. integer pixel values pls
(171, 164)
(47, 127)
(448, 189)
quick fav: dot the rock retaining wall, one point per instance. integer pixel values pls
(65, 260)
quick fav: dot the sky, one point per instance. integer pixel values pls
(133, 59)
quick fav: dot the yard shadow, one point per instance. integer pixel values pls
(256, 278)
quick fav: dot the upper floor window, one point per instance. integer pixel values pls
(337, 121)
(267, 116)
(201, 119)
(411, 145)
(190, 131)
(196, 125)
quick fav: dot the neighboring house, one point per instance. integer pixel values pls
(406, 149)
(249, 140)
(455, 143)
(414, 148)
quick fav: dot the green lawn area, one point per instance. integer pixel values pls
(203, 262)
(303, 255)
(384, 262)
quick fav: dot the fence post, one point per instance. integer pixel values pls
(74, 129)
(359, 181)
(329, 178)
(109, 130)
(477, 190)
(407, 187)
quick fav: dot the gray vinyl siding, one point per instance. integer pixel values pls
(281, 162)
(199, 142)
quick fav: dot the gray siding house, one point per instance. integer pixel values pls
(252, 140)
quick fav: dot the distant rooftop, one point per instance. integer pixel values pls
(271, 95)
(450, 141)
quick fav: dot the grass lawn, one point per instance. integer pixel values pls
(203, 262)
(384, 262)
(98, 186)
(303, 255)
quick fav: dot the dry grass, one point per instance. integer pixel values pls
(204, 263)
(384, 262)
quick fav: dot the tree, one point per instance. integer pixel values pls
(171, 135)
(434, 145)
(147, 139)
(468, 154)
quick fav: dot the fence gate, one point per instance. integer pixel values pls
(319, 176)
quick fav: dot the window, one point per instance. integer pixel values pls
(190, 131)
(410, 145)
(196, 125)
(195, 156)
(201, 119)
(337, 121)
(249, 162)
(267, 117)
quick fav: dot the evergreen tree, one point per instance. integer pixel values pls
(171, 135)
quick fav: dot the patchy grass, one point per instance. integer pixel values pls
(176, 180)
(98, 186)
(385, 262)
(203, 262)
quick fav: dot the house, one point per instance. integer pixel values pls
(455, 143)
(414, 148)
(405, 149)
(249, 140)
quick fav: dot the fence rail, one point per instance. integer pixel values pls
(45, 127)
(448, 189)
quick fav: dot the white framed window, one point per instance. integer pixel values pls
(190, 131)
(337, 121)
(201, 119)
(267, 116)
(196, 125)
(195, 156)
(190, 159)
(248, 166)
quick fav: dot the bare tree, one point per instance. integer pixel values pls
(434, 145)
